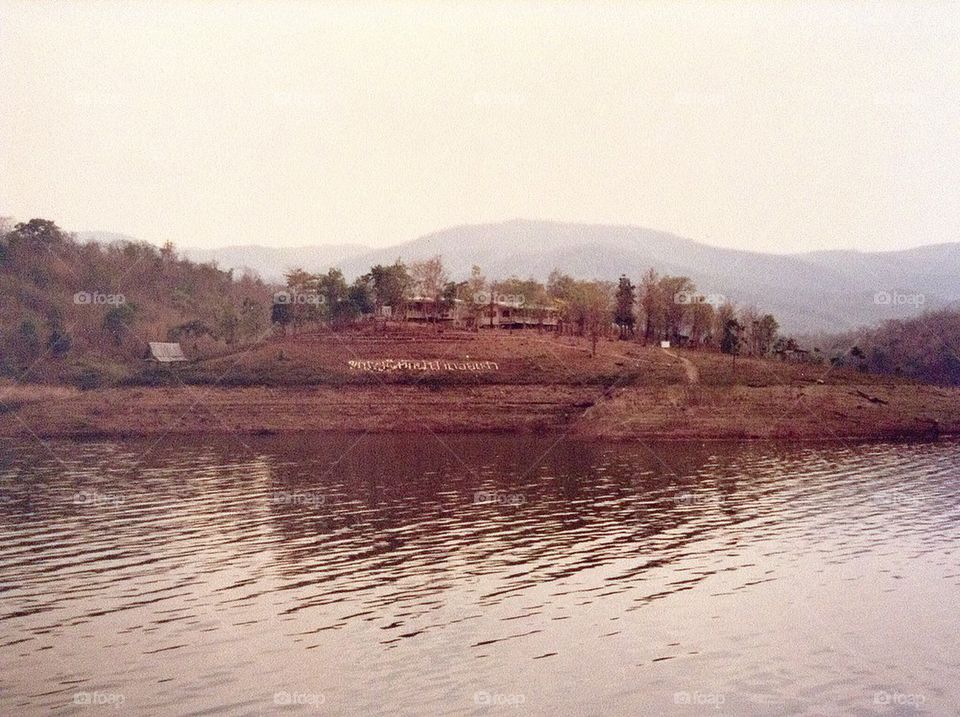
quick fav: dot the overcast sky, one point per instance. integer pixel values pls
(764, 126)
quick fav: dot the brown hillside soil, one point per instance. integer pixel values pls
(544, 383)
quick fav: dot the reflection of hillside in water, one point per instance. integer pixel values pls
(457, 548)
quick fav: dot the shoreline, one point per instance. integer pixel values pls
(833, 413)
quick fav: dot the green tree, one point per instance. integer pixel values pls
(360, 295)
(391, 284)
(117, 321)
(59, 340)
(36, 233)
(623, 314)
(27, 346)
(765, 334)
(281, 314)
(732, 333)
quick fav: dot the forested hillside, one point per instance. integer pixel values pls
(925, 348)
(94, 307)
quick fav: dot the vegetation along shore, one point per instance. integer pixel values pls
(407, 348)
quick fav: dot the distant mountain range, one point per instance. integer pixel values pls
(810, 292)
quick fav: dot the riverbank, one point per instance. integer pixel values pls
(502, 383)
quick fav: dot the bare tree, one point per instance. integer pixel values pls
(429, 279)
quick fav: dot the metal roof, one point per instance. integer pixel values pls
(166, 353)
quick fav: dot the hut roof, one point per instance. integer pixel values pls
(166, 353)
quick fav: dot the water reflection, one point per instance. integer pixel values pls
(470, 574)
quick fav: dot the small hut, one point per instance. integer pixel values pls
(166, 353)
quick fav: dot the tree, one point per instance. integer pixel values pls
(732, 332)
(765, 334)
(625, 299)
(722, 315)
(701, 317)
(390, 286)
(857, 353)
(477, 294)
(228, 321)
(592, 310)
(360, 296)
(749, 318)
(251, 318)
(677, 294)
(36, 233)
(6, 226)
(561, 289)
(59, 341)
(652, 303)
(281, 314)
(429, 278)
(332, 288)
(302, 298)
(334, 294)
(27, 344)
(117, 321)
(29, 247)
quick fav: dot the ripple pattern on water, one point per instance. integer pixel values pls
(403, 575)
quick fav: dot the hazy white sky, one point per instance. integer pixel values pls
(770, 126)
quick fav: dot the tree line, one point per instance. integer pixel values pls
(926, 347)
(658, 308)
(51, 286)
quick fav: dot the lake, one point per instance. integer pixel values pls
(478, 574)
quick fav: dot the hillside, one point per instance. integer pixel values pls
(84, 312)
(489, 381)
(820, 291)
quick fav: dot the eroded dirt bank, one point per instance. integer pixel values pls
(829, 412)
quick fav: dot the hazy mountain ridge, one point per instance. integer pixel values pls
(816, 291)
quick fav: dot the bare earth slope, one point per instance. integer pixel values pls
(539, 383)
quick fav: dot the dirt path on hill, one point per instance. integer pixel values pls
(693, 374)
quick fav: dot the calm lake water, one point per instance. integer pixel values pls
(478, 575)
